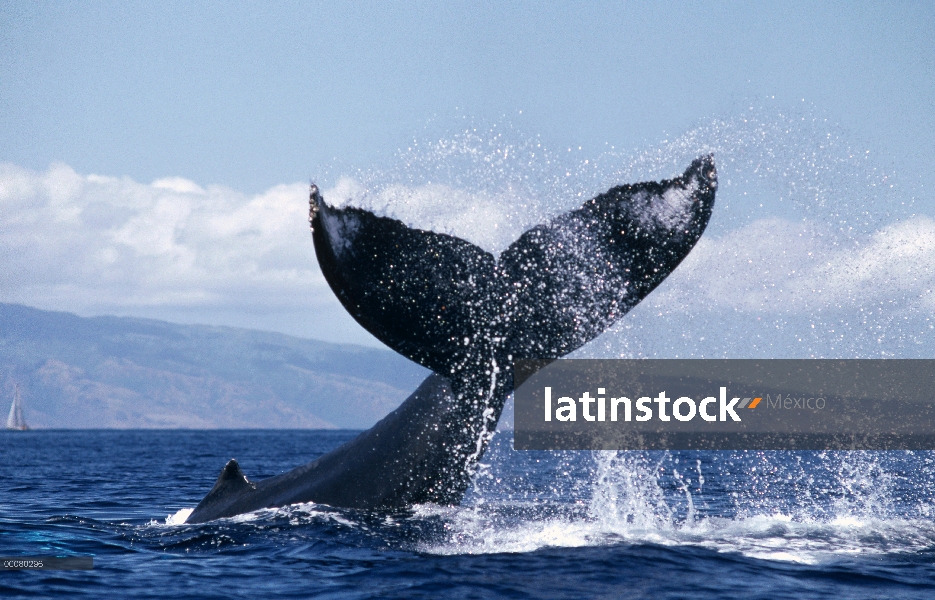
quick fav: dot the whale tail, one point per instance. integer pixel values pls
(466, 314)
(444, 302)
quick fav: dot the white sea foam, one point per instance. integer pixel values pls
(179, 517)
(847, 508)
(769, 536)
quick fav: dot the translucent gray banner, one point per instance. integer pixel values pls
(724, 405)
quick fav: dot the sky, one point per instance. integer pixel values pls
(155, 157)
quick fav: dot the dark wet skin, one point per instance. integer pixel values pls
(466, 315)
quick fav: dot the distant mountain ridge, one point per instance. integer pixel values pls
(120, 372)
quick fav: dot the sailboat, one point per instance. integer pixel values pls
(16, 420)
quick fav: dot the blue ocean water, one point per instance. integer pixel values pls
(534, 524)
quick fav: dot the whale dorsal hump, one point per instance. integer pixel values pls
(231, 485)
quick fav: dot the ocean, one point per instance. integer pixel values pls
(533, 525)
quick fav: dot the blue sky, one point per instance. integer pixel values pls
(140, 133)
(255, 94)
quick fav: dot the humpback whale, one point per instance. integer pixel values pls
(466, 315)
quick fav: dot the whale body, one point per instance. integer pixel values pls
(466, 315)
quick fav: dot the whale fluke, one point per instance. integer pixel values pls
(466, 314)
(557, 287)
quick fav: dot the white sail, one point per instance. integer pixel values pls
(10, 420)
(15, 419)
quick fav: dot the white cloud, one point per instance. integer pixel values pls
(777, 288)
(98, 244)
(95, 245)
(779, 266)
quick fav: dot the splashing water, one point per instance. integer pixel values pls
(805, 507)
(793, 165)
(813, 251)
